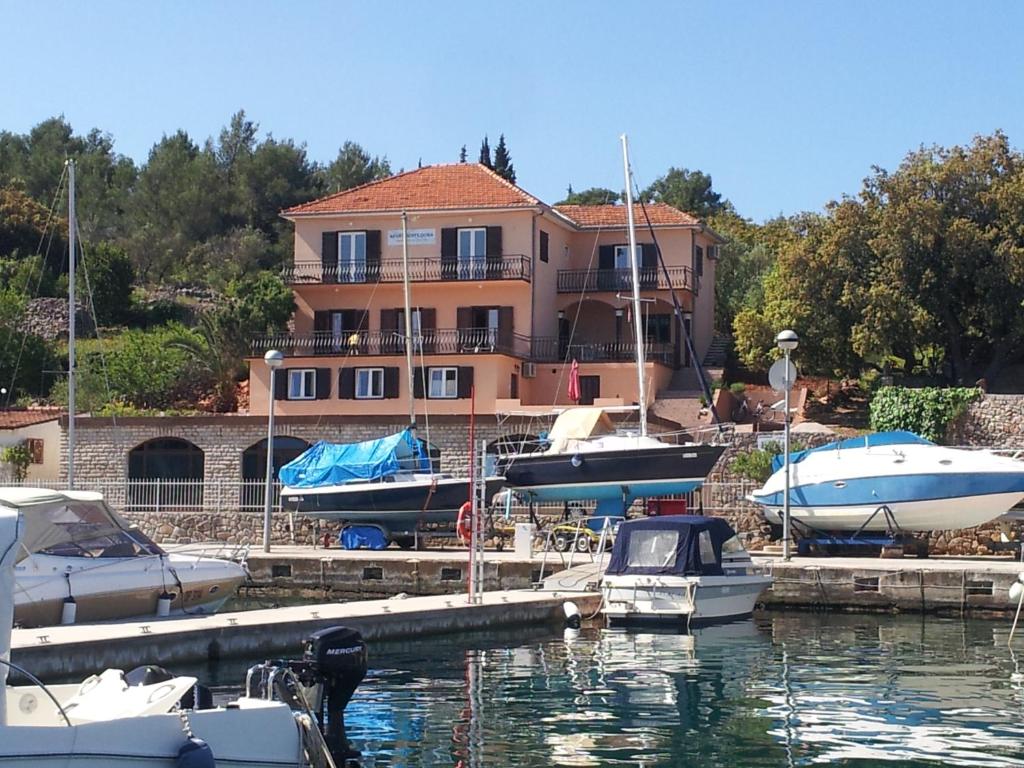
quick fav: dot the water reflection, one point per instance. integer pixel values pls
(786, 689)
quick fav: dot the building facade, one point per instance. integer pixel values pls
(506, 292)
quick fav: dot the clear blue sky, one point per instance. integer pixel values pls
(786, 104)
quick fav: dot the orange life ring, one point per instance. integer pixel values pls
(464, 525)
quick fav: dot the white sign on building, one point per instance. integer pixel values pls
(416, 237)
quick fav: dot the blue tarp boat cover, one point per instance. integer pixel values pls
(876, 439)
(686, 559)
(362, 537)
(336, 463)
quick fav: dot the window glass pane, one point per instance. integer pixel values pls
(479, 242)
(345, 249)
(652, 549)
(465, 243)
(707, 552)
(360, 247)
(294, 383)
(362, 383)
(732, 545)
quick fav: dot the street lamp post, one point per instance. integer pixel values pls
(787, 341)
(273, 359)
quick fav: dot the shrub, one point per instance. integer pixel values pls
(19, 458)
(737, 387)
(756, 464)
(927, 412)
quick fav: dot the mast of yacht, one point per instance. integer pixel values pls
(408, 319)
(72, 226)
(641, 386)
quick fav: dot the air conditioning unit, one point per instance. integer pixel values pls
(529, 370)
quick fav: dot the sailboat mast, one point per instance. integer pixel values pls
(72, 226)
(641, 386)
(408, 317)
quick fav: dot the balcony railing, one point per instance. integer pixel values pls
(421, 270)
(460, 341)
(437, 341)
(596, 280)
(559, 350)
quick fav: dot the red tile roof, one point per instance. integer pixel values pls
(434, 187)
(660, 214)
(15, 419)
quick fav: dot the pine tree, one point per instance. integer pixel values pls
(503, 161)
(485, 153)
(462, 154)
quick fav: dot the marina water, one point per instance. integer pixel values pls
(779, 690)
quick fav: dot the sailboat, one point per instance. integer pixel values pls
(387, 487)
(103, 568)
(587, 458)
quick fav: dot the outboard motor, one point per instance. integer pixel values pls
(332, 666)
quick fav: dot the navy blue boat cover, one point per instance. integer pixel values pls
(876, 439)
(336, 463)
(687, 561)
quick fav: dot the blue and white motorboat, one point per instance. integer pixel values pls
(892, 480)
(681, 569)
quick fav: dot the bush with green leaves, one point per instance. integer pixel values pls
(756, 464)
(927, 412)
(18, 457)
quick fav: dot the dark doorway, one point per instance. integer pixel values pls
(254, 467)
(165, 473)
(590, 389)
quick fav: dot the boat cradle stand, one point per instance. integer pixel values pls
(811, 540)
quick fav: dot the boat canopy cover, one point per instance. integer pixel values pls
(675, 545)
(53, 518)
(877, 439)
(579, 423)
(337, 463)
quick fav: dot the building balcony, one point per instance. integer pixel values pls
(554, 350)
(460, 341)
(651, 279)
(421, 270)
(435, 341)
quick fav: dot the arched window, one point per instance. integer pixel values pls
(165, 473)
(254, 467)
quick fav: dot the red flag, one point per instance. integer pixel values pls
(574, 382)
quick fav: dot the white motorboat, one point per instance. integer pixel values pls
(111, 719)
(94, 566)
(892, 481)
(682, 569)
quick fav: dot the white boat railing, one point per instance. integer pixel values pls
(575, 533)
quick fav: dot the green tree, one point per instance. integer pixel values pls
(592, 196)
(462, 154)
(107, 271)
(503, 161)
(688, 191)
(353, 167)
(485, 153)
(28, 363)
(25, 226)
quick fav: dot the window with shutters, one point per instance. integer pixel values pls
(698, 261)
(369, 383)
(472, 253)
(35, 449)
(443, 383)
(302, 383)
(622, 257)
(351, 257)
(416, 318)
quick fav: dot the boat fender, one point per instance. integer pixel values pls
(163, 605)
(68, 611)
(464, 525)
(573, 619)
(195, 753)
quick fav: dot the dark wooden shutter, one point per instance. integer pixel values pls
(329, 257)
(391, 383)
(418, 385)
(606, 266)
(505, 326)
(390, 334)
(323, 383)
(494, 253)
(281, 384)
(465, 381)
(373, 255)
(428, 328)
(544, 246)
(347, 384)
(464, 322)
(449, 253)
(321, 331)
(648, 265)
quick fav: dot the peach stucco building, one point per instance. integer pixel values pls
(507, 291)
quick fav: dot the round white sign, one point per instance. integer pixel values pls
(779, 378)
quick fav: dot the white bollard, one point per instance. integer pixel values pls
(68, 611)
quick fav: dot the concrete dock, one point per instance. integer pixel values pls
(74, 651)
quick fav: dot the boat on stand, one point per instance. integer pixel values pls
(892, 482)
(587, 457)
